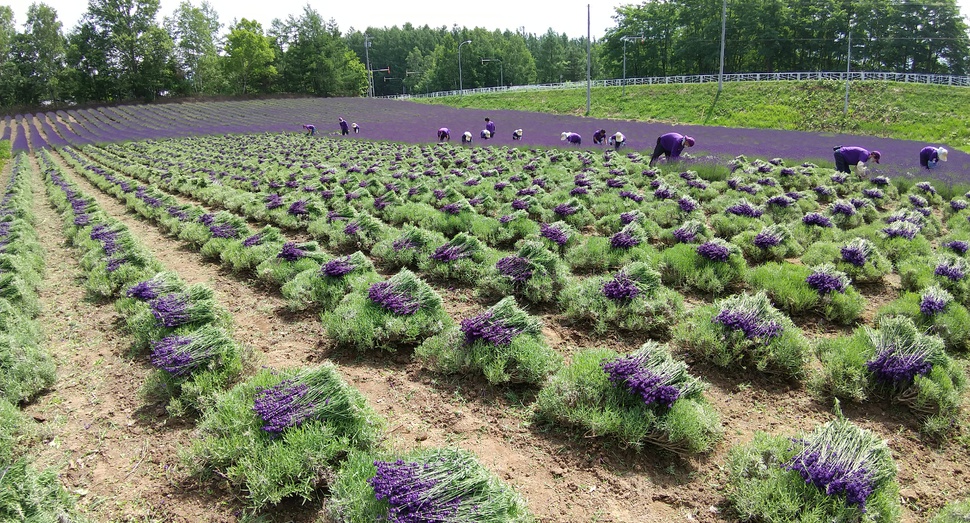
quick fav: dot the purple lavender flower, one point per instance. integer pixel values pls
(926, 187)
(554, 234)
(843, 207)
(629, 217)
(749, 323)
(452, 208)
(697, 184)
(898, 368)
(951, 270)
(780, 201)
(714, 251)
(448, 253)
(873, 194)
(290, 252)
(652, 388)
(687, 204)
(631, 195)
(767, 239)
(615, 183)
(745, 209)
(298, 208)
(934, 300)
(564, 209)
(338, 267)
(520, 205)
(880, 181)
(901, 229)
(623, 240)
(207, 219)
(393, 299)
(517, 268)
(253, 240)
(169, 354)
(840, 178)
(685, 234)
(576, 191)
(958, 204)
(854, 254)
(170, 310)
(409, 489)
(822, 190)
(223, 230)
(663, 193)
(814, 218)
(283, 406)
(115, 263)
(825, 282)
(957, 246)
(918, 201)
(621, 288)
(488, 328)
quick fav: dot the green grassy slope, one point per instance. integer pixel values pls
(928, 113)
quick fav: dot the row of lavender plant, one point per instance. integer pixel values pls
(181, 327)
(26, 368)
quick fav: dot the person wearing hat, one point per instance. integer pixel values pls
(517, 134)
(344, 126)
(444, 134)
(670, 145)
(617, 140)
(572, 138)
(466, 137)
(355, 127)
(599, 136)
(929, 156)
(490, 127)
(846, 156)
(485, 134)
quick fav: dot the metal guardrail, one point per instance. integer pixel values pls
(937, 79)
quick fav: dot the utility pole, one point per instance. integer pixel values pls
(589, 58)
(461, 87)
(848, 66)
(370, 82)
(626, 39)
(720, 76)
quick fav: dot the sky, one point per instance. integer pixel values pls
(536, 16)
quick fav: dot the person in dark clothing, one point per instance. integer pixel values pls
(444, 134)
(310, 130)
(517, 134)
(857, 156)
(344, 127)
(930, 156)
(599, 136)
(490, 127)
(671, 145)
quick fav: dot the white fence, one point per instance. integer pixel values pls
(960, 81)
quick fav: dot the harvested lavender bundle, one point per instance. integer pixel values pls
(315, 394)
(841, 459)
(182, 354)
(826, 279)
(716, 250)
(500, 324)
(751, 315)
(901, 352)
(934, 300)
(651, 374)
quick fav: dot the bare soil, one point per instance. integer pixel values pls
(120, 453)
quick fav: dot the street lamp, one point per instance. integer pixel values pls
(501, 69)
(461, 88)
(626, 39)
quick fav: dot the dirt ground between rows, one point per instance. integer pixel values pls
(120, 454)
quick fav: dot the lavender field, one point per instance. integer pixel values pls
(409, 122)
(251, 322)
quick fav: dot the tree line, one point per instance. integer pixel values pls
(119, 51)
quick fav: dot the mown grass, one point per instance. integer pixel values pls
(931, 113)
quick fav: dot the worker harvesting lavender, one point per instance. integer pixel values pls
(671, 145)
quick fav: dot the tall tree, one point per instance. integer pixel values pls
(195, 34)
(249, 57)
(9, 74)
(40, 55)
(317, 59)
(134, 48)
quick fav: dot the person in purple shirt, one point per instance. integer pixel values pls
(599, 136)
(572, 138)
(670, 145)
(356, 128)
(344, 126)
(444, 134)
(846, 156)
(490, 127)
(310, 129)
(929, 156)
